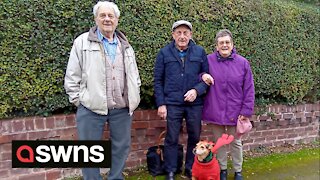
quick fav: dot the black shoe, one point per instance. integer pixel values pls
(238, 176)
(223, 174)
(170, 176)
(187, 172)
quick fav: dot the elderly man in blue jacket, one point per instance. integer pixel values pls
(179, 93)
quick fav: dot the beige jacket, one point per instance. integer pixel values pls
(85, 79)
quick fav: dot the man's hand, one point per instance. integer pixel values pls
(208, 79)
(191, 95)
(162, 111)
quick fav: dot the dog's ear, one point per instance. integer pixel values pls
(210, 145)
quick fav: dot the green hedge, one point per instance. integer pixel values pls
(280, 38)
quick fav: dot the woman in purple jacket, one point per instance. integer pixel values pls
(230, 97)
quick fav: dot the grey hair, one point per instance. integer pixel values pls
(223, 33)
(106, 4)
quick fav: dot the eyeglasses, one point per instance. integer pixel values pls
(221, 43)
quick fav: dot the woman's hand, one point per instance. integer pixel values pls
(243, 118)
(208, 79)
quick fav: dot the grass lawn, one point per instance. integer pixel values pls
(298, 163)
(302, 164)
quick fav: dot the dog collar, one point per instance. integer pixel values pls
(208, 158)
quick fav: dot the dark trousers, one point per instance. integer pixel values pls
(175, 115)
(90, 126)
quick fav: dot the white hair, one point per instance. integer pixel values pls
(106, 4)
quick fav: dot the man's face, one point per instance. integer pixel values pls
(182, 35)
(106, 21)
(224, 46)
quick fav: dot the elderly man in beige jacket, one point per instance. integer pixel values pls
(103, 81)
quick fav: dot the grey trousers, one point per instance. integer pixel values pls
(90, 126)
(236, 148)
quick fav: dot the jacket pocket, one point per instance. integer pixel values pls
(91, 47)
(196, 59)
(169, 60)
(195, 66)
(172, 66)
(233, 112)
(173, 83)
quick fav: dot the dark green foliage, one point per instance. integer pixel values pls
(279, 38)
(36, 37)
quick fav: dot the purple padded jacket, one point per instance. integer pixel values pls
(233, 91)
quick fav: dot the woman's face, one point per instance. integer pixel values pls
(224, 46)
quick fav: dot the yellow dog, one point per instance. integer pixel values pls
(206, 166)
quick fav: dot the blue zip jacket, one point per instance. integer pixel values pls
(173, 77)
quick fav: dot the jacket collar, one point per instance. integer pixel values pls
(94, 37)
(229, 58)
(175, 50)
(173, 46)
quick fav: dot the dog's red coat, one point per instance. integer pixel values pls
(210, 170)
(206, 171)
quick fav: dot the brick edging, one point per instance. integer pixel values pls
(280, 124)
